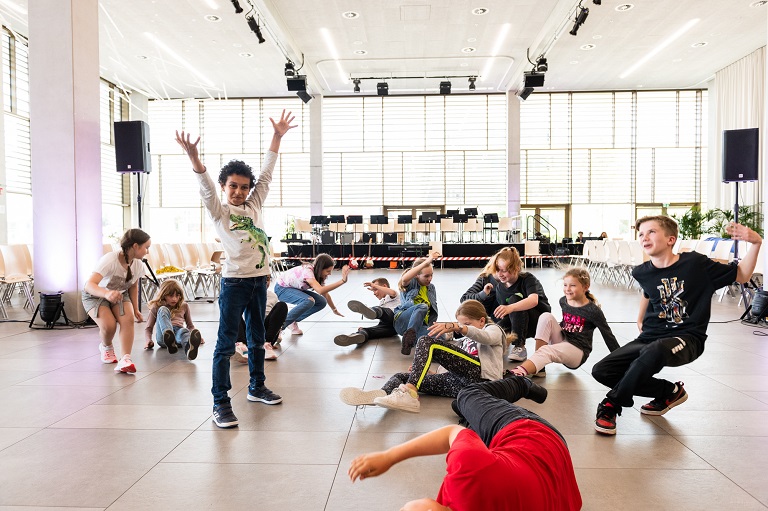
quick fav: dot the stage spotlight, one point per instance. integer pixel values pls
(306, 98)
(597, 2)
(533, 79)
(472, 82)
(297, 83)
(238, 9)
(356, 81)
(525, 93)
(445, 87)
(541, 65)
(382, 89)
(579, 21)
(290, 71)
(255, 28)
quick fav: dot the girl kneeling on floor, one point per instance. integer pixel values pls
(570, 341)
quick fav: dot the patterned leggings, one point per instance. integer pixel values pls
(463, 369)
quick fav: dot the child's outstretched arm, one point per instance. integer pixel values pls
(605, 330)
(643, 307)
(374, 464)
(281, 128)
(190, 148)
(747, 264)
(411, 273)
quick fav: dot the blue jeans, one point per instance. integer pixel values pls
(412, 317)
(239, 297)
(163, 323)
(307, 302)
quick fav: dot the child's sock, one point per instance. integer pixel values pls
(519, 371)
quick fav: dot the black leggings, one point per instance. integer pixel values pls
(272, 324)
(489, 406)
(463, 369)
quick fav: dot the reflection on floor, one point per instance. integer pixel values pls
(74, 434)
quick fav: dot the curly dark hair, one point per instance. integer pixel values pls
(238, 168)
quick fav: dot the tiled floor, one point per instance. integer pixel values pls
(75, 435)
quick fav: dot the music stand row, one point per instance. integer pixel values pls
(424, 218)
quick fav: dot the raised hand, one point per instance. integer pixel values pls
(190, 148)
(742, 232)
(284, 124)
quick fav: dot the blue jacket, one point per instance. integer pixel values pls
(407, 296)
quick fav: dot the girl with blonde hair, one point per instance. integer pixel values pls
(171, 315)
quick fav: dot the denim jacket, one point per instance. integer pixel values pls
(407, 296)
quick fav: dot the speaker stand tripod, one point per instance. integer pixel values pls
(744, 294)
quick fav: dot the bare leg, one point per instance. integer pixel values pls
(107, 323)
(126, 326)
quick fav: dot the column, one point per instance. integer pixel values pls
(66, 160)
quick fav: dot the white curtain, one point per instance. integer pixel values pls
(738, 102)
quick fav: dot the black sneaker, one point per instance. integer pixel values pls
(605, 421)
(536, 393)
(264, 395)
(665, 404)
(170, 341)
(348, 340)
(363, 309)
(194, 343)
(223, 416)
(409, 341)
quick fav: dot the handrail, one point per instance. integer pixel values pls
(544, 224)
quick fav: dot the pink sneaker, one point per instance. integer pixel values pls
(241, 353)
(269, 353)
(107, 354)
(295, 330)
(125, 365)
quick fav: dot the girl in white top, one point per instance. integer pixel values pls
(111, 297)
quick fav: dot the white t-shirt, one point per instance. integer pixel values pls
(390, 302)
(113, 274)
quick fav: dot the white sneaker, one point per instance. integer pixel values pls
(125, 365)
(269, 353)
(241, 353)
(518, 354)
(107, 354)
(357, 397)
(400, 399)
(295, 330)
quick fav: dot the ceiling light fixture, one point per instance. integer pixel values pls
(236, 4)
(290, 69)
(472, 82)
(580, 19)
(306, 98)
(297, 83)
(480, 11)
(468, 49)
(533, 79)
(212, 18)
(624, 7)
(356, 81)
(350, 15)
(660, 47)
(255, 28)
(541, 65)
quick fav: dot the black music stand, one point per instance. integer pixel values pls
(378, 220)
(337, 219)
(318, 221)
(451, 213)
(471, 212)
(460, 220)
(354, 221)
(488, 220)
(428, 217)
(405, 220)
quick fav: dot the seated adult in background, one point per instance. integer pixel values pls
(603, 235)
(503, 444)
(579, 237)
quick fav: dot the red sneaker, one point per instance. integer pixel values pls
(663, 405)
(605, 422)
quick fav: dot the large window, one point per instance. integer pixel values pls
(18, 173)
(605, 152)
(386, 152)
(113, 194)
(229, 129)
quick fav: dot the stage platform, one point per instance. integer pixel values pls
(457, 255)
